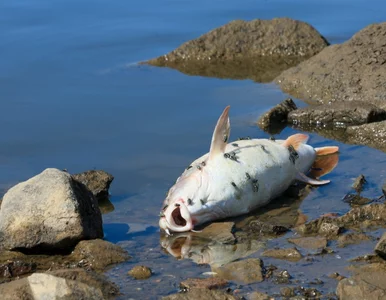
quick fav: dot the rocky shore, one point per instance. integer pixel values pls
(344, 86)
(51, 234)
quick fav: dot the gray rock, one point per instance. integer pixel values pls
(339, 114)
(45, 286)
(354, 70)
(97, 181)
(48, 211)
(380, 248)
(275, 120)
(258, 49)
(368, 283)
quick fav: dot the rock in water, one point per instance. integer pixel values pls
(49, 211)
(97, 181)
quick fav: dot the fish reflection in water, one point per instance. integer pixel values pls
(207, 251)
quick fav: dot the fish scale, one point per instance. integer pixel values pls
(235, 178)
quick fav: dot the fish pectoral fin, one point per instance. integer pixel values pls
(296, 140)
(304, 178)
(221, 134)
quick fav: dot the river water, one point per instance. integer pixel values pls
(73, 96)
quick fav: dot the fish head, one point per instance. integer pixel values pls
(187, 202)
(183, 203)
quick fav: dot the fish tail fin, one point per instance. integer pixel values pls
(326, 150)
(221, 134)
(296, 140)
(324, 164)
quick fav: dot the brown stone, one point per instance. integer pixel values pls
(291, 254)
(245, 271)
(309, 242)
(140, 272)
(203, 283)
(380, 248)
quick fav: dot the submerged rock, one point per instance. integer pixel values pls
(368, 282)
(352, 238)
(246, 271)
(258, 49)
(275, 120)
(309, 242)
(380, 248)
(287, 254)
(200, 294)
(354, 70)
(341, 114)
(203, 283)
(49, 211)
(140, 272)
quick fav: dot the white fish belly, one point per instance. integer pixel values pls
(249, 175)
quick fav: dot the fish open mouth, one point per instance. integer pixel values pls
(176, 218)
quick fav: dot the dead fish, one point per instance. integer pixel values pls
(236, 180)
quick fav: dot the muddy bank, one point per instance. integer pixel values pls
(258, 50)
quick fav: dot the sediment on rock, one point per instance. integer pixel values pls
(258, 49)
(354, 70)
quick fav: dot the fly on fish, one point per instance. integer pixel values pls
(236, 178)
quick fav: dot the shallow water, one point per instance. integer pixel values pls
(74, 97)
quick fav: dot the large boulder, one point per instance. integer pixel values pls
(258, 49)
(354, 70)
(49, 211)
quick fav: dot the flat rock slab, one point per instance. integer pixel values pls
(380, 248)
(373, 135)
(246, 271)
(203, 283)
(291, 254)
(309, 242)
(364, 216)
(368, 283)
(275, 120)
(201, 294)
(45, 286)
(354, 70)
(340, 114)
(220, 232)
(49, 211)
(352, 238)
(242, 49)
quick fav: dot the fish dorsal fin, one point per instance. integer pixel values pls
(296, 140)
(220, 135)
